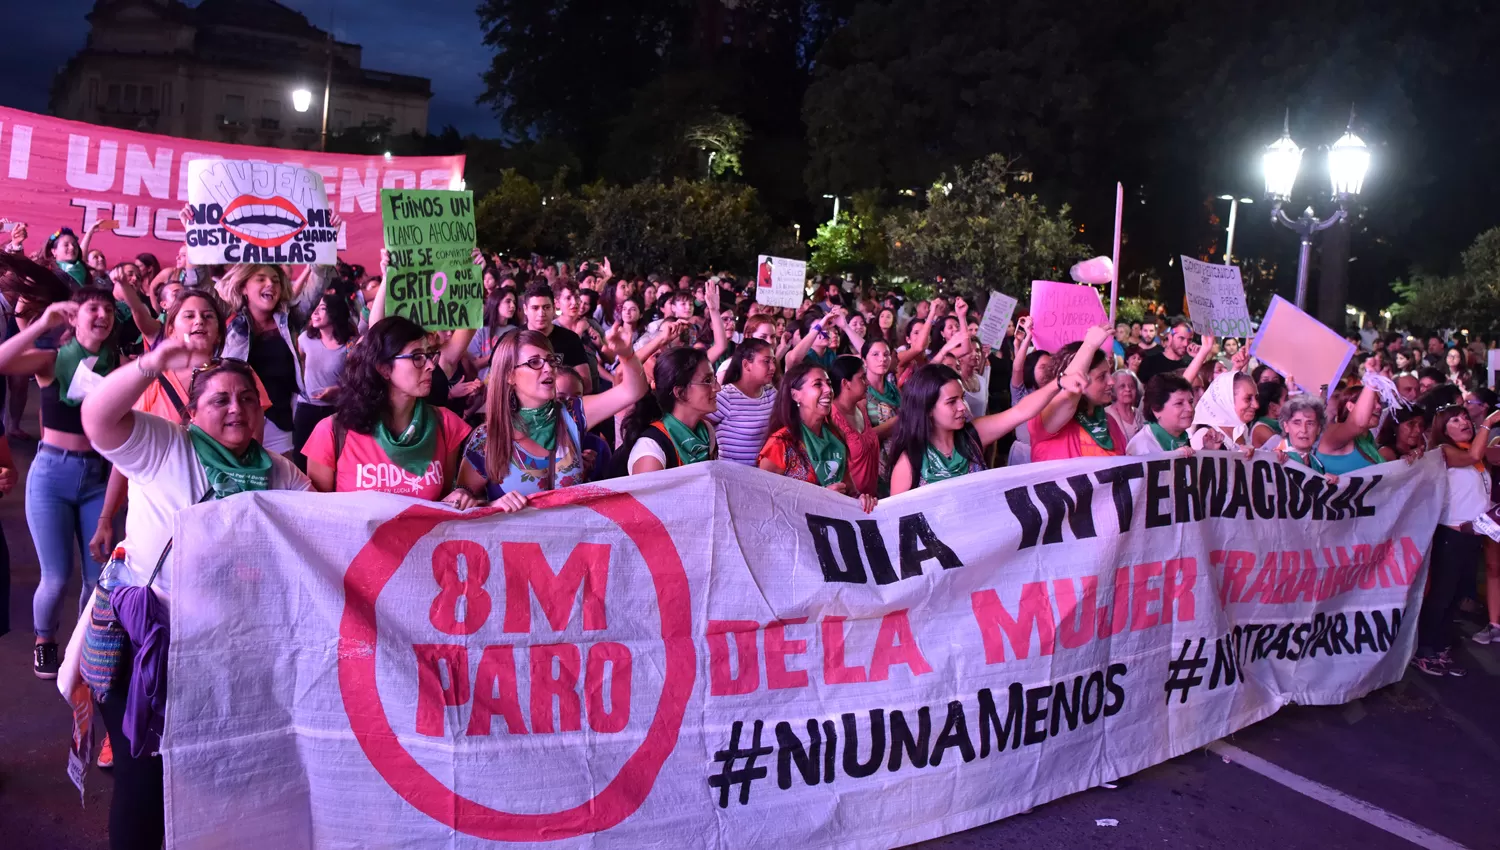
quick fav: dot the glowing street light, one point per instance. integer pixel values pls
(1348, 161)
(301, 100)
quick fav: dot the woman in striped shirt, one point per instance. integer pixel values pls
(743, 417)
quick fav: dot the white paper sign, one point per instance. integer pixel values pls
(780, 282)
(84, 379)
(997, 315)
(1216, 299)
(258, 212)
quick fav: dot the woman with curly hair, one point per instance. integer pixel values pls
(384, 435)
(266, 314)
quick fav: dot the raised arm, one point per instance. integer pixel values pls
(106, 413)
(630, 384)
(715, 321)
(997, 425)
(1063, 405)
(918, 347)
(1341, 434)
(19, 354)
(1457, 457)
(1205, 351)
(1021, 343)
(804, 345)
(140, 311)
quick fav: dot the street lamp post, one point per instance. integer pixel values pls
(1348, 160)
(1234, 212)
(835, 219)
(302, 98)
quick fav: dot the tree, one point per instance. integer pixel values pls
(855, 243)
(1468, 299)
(975, 235)
(681, 227)
(518, 217)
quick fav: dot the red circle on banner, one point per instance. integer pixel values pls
(373, 568)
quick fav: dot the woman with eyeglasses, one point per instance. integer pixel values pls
(804, 444)
(266, 314)
(385, 436)
(669, 426)
(449, 389)
(530, 442)
(67, 482)
(170, 468)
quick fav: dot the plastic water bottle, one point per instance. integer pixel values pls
(109, 577)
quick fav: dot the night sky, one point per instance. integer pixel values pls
(442, 42)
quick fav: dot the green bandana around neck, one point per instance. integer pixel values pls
(827, 453)
(1164, 439)
(75, 269)
(540, 424)
(70, 356)
(1270, 422)
(415, 448)
(936, 467)
(228, 474)
(692, 443)
(888, 393)
(1097, 426)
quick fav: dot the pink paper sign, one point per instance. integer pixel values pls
(1062, 313)
(1300, 347)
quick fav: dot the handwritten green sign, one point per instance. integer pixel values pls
(433, 280)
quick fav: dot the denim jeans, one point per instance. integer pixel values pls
(64, 497)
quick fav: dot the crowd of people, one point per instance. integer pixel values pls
(161, 387)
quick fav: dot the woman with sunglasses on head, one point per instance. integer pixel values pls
(1456, 547)
(324, 349)
(266, 314)
(669, 426)
(170, 468)
(804, 444)
(384, 436)
(936, 439)
(529, 441)
(67, 483)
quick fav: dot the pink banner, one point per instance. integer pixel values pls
(56, 173)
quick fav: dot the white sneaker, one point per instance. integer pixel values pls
(1488, 634)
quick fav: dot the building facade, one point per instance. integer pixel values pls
(225, 71)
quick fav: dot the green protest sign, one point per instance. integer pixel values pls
(433, 280)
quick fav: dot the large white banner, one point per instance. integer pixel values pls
(714, 656)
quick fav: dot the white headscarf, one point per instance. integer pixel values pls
(1216, 410)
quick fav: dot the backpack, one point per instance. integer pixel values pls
(619, 466)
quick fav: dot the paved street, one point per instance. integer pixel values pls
(1424, 750)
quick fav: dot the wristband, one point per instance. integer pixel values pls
(144, 371)
(1059, 383)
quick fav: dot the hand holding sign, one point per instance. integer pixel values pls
(1063, 312)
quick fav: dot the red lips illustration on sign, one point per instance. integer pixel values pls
(266, 222)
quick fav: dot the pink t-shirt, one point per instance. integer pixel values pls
(365, 466)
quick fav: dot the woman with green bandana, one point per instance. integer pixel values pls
(935, 439)
(65, 254)
(384, 436)
(883, 400)
(1169, 414)
(804, 444)
(65, 490)
(170, 468)
(669, 428)
(530, 440)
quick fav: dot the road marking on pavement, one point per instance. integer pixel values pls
(1372, 815)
